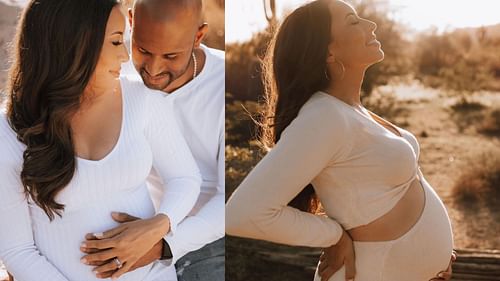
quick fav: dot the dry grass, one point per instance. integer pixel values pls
(480, 181)
(491, 123)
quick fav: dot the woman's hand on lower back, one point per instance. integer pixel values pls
(334, 257)
(446, 275)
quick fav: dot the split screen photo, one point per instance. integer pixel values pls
(325, 140)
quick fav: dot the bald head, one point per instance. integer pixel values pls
(169, 10)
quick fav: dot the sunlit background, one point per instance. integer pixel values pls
(243, 18)
(440, 80)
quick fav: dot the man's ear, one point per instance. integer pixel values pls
(200, 34)
(130, 17)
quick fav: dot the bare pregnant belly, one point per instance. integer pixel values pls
(399, 220)
(415, 252)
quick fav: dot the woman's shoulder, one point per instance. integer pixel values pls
(322, 110)
(11, 148)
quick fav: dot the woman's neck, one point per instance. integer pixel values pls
(348, 87)
(95, 94)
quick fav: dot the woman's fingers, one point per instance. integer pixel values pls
(124, 269)
(328, 267)
(103, 243)
(329, 271)
(106, 234)
(123, 217)
(446, 275)
(350, 267)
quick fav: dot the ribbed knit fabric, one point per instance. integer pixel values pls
(358, 168)
(34, 249)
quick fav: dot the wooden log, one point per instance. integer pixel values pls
(471, 264)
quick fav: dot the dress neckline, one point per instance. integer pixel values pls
(373, 119)
(120, 136)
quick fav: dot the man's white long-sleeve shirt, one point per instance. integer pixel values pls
(199, 109)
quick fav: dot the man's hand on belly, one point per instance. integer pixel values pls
(101, 253)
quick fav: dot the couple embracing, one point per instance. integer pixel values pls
(110, 176)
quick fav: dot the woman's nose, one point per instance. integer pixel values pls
(124, 56)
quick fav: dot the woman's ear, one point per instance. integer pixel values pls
(330, 55)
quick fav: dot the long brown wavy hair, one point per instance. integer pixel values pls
(293, 70)
(56, 49)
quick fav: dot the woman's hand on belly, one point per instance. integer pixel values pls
(334, 257)
(105, 269)
(125, 244)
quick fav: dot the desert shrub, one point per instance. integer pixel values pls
(240, 126)
(491, 123)
(243, 66)
(480, 181)
(386, 104)
(461, 61)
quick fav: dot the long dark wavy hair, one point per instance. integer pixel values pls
(293, 70)
(56, 50)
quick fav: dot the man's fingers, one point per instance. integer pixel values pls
(123, 217)
(110, 265)
(105, 274)
(96, 263)
(92, 251)
(98, 257)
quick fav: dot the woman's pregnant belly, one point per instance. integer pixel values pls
(416, 255)
(60, 239)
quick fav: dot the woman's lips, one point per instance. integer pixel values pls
(115, 72)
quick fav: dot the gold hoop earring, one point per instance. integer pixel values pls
(341, 67)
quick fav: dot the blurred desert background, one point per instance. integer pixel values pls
(441, 82)
(11, 9)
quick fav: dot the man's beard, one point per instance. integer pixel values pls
(146, 78)
(170, 77)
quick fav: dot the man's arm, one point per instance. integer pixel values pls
(208, 224)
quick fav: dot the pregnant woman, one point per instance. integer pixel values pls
(324, 143)
(77, 143)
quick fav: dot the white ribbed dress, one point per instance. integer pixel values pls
(35, 249)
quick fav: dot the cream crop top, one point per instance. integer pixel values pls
(359, 170)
